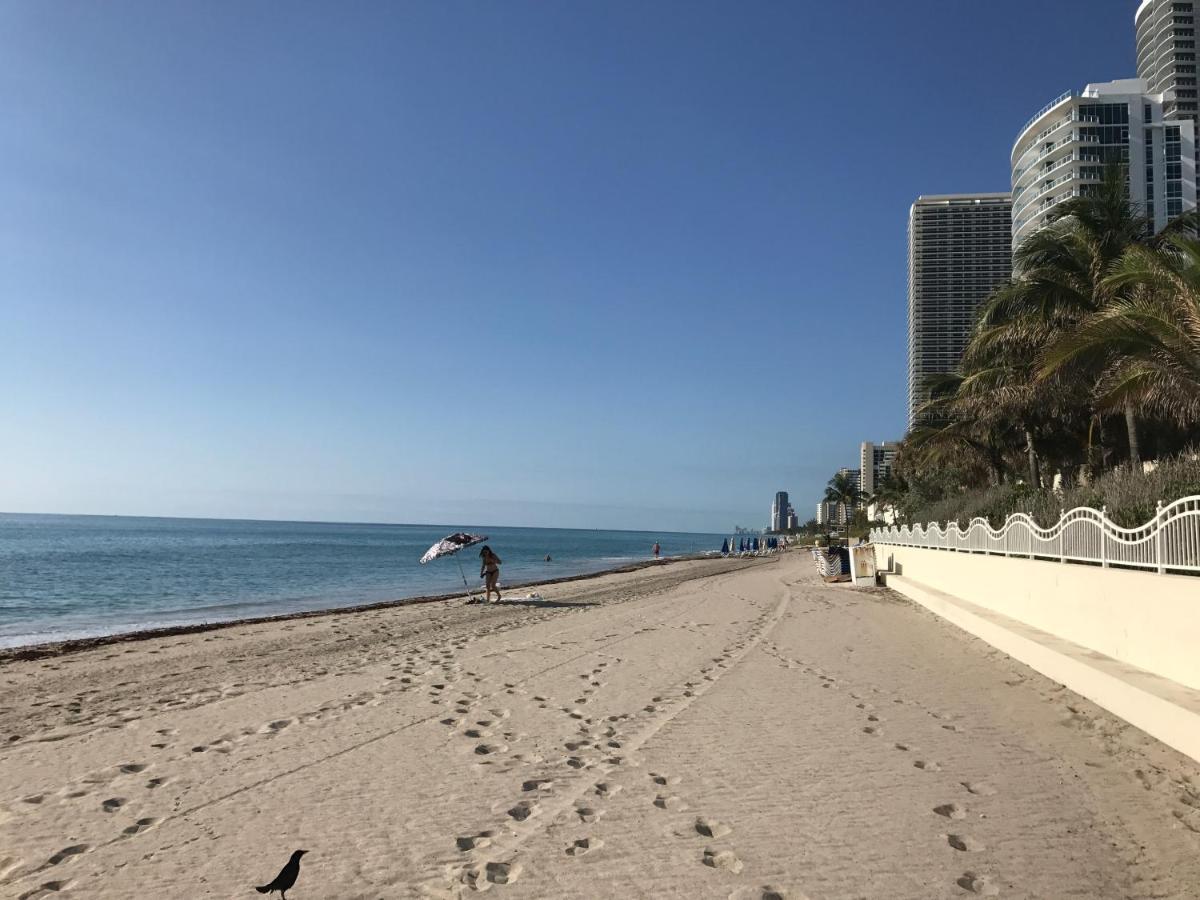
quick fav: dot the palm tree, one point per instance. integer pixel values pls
(1148, 342)
(843, 490)
(889, 493)
(1061, 273)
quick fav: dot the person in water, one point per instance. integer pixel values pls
(489, 569)
(657, 550)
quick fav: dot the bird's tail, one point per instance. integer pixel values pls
(265, 889)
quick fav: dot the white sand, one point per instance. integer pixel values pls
(748, 734)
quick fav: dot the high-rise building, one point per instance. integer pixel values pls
(779, 511)
(1062, 151)
(959, 250)
(1166, 54)
(855, 476)
(875, 462)
(832, 513)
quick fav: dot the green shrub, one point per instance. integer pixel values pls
(1131, 497)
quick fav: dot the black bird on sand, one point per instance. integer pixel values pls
(286, 878)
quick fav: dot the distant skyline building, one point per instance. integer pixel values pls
(779, 511)
(875, 464)
(959, 250)
(1062, 151)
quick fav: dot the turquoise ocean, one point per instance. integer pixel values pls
(80, 576)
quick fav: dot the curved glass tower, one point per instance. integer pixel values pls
(1062, 151)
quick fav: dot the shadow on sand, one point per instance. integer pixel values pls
(539, 603)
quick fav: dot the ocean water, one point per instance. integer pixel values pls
(77, 576)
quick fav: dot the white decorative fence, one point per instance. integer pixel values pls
(1170, 542)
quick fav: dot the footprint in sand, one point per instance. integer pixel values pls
(871, 729)
(964, 843)
(766, 892)
(928, 765)
(139, 826)
(711, 828)
(587, 813)
(978, 884)
(133, 768)
(66, 853)
(722, 859)
(606, 790)
(8, 865)
(503, 872)
(112, 804)
(665, 779)
(542, 785)
(524, 810)
(45, 889)
(669, 803)
(584, 845)
(475, 842)
(982, 788)
(951, 811)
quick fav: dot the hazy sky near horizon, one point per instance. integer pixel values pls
(580, 264)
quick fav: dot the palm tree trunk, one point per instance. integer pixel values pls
(1135, 454)
(997, 466)
(1091, 468)
(1035, 474)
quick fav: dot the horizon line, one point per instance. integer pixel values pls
(334, 522)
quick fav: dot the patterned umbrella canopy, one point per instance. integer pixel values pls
(452, 544)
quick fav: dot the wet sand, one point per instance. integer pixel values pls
(705, 729)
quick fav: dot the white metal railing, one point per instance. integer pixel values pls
(1066, 95)
(1168, 542)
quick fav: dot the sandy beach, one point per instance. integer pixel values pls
(702, 729)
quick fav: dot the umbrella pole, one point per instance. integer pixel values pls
(470, 596)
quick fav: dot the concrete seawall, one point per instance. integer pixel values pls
(1128, 640)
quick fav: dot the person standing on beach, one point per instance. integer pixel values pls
(489, 569)
(657, 550)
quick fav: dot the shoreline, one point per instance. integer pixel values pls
(50, 649)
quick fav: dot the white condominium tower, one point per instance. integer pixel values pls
(875, 463)
(959, 251)
(1166, 54)
(1062, 151)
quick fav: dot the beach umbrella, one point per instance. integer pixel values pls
(449, 546)
(725, 547)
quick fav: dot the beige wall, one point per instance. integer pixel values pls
(1149, 620)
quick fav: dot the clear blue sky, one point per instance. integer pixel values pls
(568, 264)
